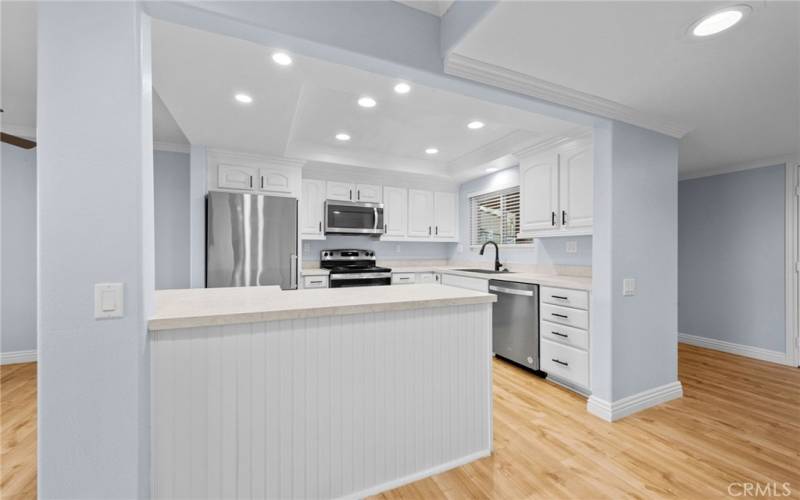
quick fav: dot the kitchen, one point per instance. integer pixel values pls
(340, 249)
(306, 232)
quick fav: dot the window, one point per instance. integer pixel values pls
(495, 216)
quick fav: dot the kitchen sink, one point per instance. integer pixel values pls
(486, 271)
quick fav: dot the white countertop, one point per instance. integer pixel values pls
(197, 307)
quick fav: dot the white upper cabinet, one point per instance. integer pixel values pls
(237, 177)
(556, 191)
(420, 213)
(445, 215)
(538, 185)
(575, 181)
(341, 191)
(395, 211)
(312, 207)
(274, 180)
(368, 193)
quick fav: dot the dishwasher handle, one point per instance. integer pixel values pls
(512, 291)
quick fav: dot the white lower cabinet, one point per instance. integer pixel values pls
(428, 278)
(403, 278)
(564, 334)
(315, 282)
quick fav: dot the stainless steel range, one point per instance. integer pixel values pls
(350, 267)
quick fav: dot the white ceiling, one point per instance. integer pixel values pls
(297, 110)
(435, 7)
(738, 91)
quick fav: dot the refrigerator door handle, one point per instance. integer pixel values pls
(293, 272)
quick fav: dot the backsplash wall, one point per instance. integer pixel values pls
(384, 250)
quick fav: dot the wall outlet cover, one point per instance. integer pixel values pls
(572, 246)
(109, 301)
(628, 287)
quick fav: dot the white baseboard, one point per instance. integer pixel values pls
(740, 349)
(12, 357)
(615, 410)
(417, 476)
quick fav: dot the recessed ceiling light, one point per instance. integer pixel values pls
(431, 151)
(491, 169)
(282, 58)
(402, 88)
(719, 21)
(475, 125)
(367, 102)
(343, 137)
(243, 98)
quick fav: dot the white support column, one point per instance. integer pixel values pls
(198, 188)
(634, 338)
(95, 186)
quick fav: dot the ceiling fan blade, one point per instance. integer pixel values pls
(14, 140)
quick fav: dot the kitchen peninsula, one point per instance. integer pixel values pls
(258, 392)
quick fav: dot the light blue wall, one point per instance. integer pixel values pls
(731, 257)
(18, 225)
(634, 338)
(545, 251)
(171, 186)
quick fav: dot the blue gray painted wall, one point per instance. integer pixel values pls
(384, 250)
(731, 257)
(545, 251)
(171, 189)
(18, 225)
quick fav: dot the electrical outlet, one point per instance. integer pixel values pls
(628, 287)
(572, 246)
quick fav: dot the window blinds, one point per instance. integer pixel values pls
(495, 216)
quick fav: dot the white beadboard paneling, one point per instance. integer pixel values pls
(321, 407)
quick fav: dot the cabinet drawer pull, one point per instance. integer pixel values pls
(315, 282)
(429, 230)
(262, 182)
(552, 218)
(320, 226)
(563, 363)
(359, 195)
(563, 217)
(559, 315)
(251, 181)
(437, 230)
(385, 227)
(351, 194)
(559, 297)
(560, 334)
(404, 278)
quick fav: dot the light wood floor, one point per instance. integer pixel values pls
(739, 421)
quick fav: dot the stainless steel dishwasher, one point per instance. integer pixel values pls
(515, 322)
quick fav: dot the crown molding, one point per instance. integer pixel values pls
(19, 130)
(521, 83)
(552, 142)
(172, 147)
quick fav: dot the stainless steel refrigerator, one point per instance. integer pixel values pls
(251, 240)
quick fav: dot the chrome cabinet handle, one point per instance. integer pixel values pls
(563, 363)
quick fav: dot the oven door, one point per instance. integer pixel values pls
(348, 217)
(360, 279)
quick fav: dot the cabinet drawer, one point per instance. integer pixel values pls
(477, 284)
(565, 362)
(565, 316)
(565, 335)
(426, 278)
(565, 297)
(403, 278)
(315, 282)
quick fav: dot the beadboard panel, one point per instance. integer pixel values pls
(320, 407)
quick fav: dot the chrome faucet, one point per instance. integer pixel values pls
(497, 264)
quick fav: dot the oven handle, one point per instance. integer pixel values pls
(359, 276)
(375, 218)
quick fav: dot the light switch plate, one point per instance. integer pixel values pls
(572, 246)
(629, 287)
(108, 300)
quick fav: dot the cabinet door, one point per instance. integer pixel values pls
(538, 190)
(368, 192)
(342, 191)
(420, 213)
(395, 211)
(273, 180)
(312, 206)
(236, 177)
(575, 181)
(445, 211)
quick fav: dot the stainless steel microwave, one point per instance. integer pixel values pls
(353, 217)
